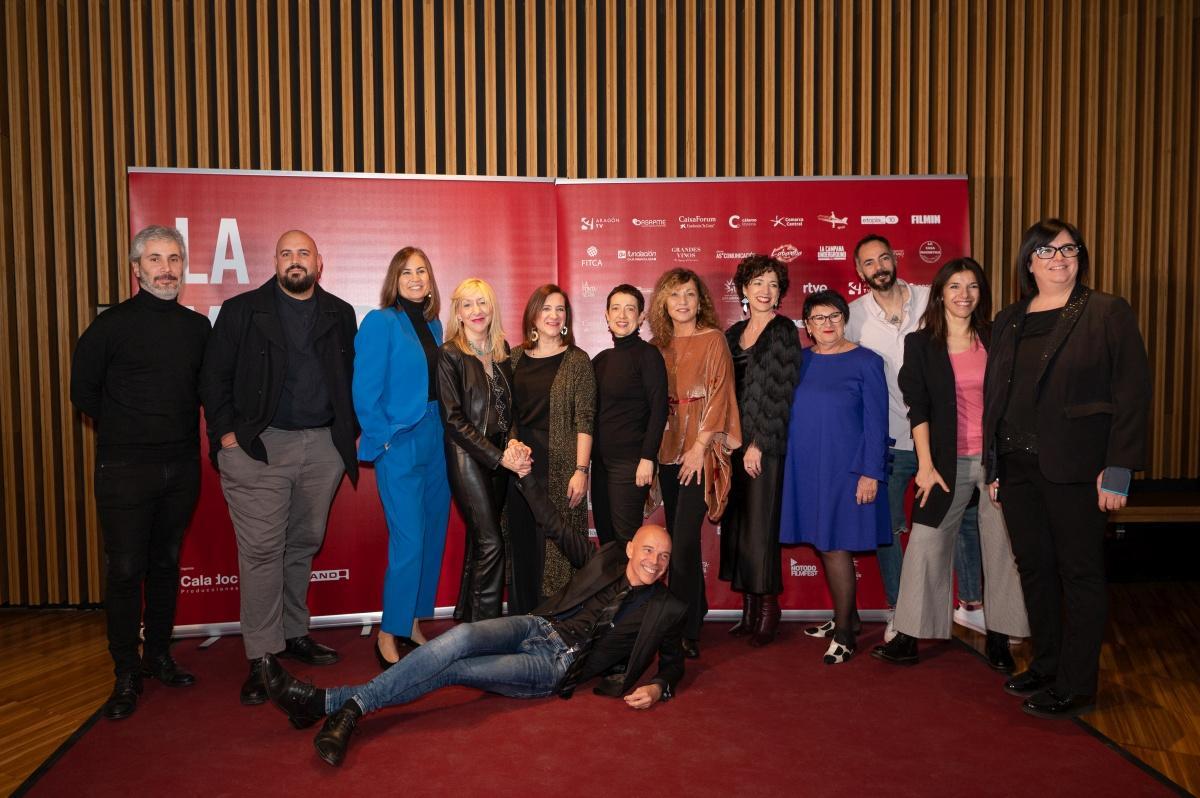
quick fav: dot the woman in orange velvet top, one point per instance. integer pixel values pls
(703, 426)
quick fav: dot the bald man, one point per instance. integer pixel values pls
(281, 428)
(610, 618)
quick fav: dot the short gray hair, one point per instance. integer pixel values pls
(155, 232)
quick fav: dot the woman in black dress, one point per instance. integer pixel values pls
(631, 411)
(766, 361)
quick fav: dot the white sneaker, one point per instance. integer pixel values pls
(889, 632)
(972, 619)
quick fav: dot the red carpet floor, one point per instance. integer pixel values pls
(772, 721)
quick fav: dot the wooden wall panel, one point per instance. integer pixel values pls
(1081, 108)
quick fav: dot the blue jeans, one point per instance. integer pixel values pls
(967, 559)
(518, 656)
(891, 558)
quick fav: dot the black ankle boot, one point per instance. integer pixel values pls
(902, 650)
(751, 604)
(998, 655)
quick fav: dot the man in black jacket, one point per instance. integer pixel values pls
(613, 615)
(281, 427)
(135, 372)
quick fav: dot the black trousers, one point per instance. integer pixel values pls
(750, 528)
(1057, 533)
(685, 510)
(526, 541)
(618, 503)
(479, 493)
(144, 510)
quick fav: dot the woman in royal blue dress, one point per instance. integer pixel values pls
(835, 471)
(395, 397)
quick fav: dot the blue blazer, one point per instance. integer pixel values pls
(391, 378)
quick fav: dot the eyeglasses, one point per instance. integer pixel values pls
(832, 317)
(1066, 250)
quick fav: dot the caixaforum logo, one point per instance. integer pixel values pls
(697, 222)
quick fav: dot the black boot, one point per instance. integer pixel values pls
(254, 689)
(768, 620)
(902, 650)
(998, 655)
(333, 739)
(123, 700)
(751, 604)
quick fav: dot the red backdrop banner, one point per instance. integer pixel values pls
(518, 234)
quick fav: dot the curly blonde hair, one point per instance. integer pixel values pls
(661, 327)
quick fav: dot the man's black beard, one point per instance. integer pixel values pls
(297, 285)
(891, 280)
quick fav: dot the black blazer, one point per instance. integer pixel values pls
(246, 362)
(1093, 390)
(662, 626)
(927, 382)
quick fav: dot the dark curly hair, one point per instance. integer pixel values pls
(755, 265)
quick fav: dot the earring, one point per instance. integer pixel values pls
(745, 306)
(563, 331)
(533, 336)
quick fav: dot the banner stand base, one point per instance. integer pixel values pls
(213, 631)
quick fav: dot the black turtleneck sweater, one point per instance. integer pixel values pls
(416, 316)
(135, 371)
(631, 400)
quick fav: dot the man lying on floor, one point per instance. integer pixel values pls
(614, 612)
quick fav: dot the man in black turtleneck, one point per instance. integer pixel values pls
(136, 372)
(281, 429)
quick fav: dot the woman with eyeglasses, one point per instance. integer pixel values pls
(1066, 400)
(942, 383)
(835, 471)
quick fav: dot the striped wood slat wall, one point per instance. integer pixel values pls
(1080, 108)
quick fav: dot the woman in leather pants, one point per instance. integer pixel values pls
(475, 391)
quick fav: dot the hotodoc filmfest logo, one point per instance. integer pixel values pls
(697, 222)
(785, 253)
(889, 219)
(926, 218)
(641, 222)
(597, 222)
(930, 252)
(803, 569)
(787, 221)
(644, 255)
(833, 220)
(737, 221)
(831, 252)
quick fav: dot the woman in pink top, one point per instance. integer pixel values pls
(942, 383)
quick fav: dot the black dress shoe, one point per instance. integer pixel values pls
(900, 650)
(691, 648)
(1027, 683)
(254, 692)
(309, 651)
(167, 670)
(999, 658)
(123, 700)
(333, 739)
(1049, 704)
(298, 700)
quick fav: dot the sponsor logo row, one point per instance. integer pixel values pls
(929, 252)
(220, 581)
(739, 221)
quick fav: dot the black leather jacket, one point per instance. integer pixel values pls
(468, 411)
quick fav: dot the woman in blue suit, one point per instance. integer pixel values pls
(395, 361)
